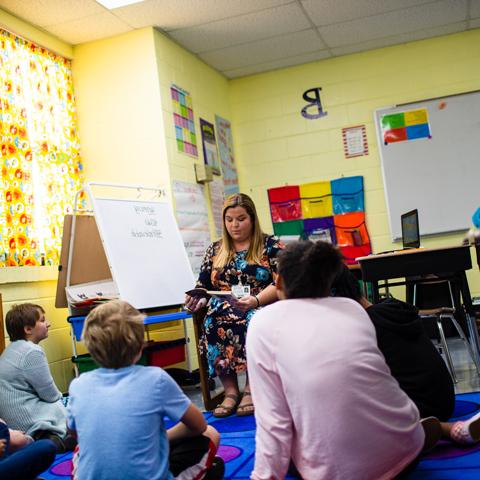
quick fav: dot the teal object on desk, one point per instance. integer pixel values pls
(476, 218)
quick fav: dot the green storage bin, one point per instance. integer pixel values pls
(85, 362)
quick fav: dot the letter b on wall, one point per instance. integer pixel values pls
(314, 108)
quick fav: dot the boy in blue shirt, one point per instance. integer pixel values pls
(118, 410)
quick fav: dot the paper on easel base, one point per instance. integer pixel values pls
(103, 289)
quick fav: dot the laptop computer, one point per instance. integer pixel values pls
(410, 230)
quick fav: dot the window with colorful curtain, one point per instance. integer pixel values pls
(41, 169)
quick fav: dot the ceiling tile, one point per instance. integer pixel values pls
(326, 12)
(233, 31)
(175, 14)
(263, 50)
(281, 63)
(394, 23)
(50, 12)
(88, 29)
(398, 39)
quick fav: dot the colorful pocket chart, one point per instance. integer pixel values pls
(331, 211)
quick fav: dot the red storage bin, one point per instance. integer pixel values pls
(162, 354)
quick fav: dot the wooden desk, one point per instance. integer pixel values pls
(449, 262)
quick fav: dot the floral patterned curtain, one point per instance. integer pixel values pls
(41, 169)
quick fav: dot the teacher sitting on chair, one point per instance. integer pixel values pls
(243, 260)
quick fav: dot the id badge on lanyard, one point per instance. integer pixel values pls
(240, 290)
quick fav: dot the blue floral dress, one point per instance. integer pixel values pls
(223, 339)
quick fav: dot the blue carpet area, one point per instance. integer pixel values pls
(237, 448)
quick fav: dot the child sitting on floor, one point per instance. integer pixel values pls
(324, 396)
(29, 399)
(118, 410)
(20, 459)
(413, 359)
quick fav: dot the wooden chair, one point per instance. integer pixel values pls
(209, 401)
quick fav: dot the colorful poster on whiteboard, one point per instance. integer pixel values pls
(210, 152)
(405, 126)
(192, 218)
(225, 147)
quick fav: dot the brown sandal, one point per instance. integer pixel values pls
(247, 408)
(227, 409)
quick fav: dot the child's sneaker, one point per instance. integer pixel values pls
(466, 432)
(433, 432)
(217, 470)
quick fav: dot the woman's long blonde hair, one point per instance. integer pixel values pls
(227, 248)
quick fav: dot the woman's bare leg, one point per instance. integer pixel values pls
(232, 394)
(246, 404)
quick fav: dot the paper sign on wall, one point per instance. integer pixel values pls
(210, 152)
(217, 197)
(192, 219)
(355, 141)
(225, 147)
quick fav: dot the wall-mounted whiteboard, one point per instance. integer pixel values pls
(144, 250)
(440, 175)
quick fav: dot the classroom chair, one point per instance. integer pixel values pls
(206, 385)
(433, 291)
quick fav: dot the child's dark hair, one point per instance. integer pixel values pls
(308, 269)
(346, 285)
(20, 316)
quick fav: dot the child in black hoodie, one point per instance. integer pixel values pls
(413, 359)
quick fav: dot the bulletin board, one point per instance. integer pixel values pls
(430, 154)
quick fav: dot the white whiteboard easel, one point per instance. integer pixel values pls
(144, 249)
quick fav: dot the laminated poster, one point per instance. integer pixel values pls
(405, 126)
(225, 147)
(210, 152)
(217, 197)
(192, 218)
(184, 121)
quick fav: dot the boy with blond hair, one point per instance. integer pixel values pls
(118, 410)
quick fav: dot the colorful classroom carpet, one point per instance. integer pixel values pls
(445, 462)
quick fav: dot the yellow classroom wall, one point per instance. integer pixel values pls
(209, 91)
(122, 88)
(276, 146)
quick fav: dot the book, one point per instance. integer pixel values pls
(222, 295)
(203, 293)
